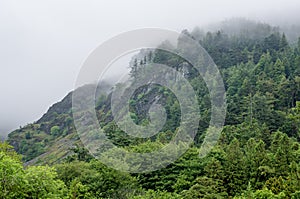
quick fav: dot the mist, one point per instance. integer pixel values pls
(43, 44)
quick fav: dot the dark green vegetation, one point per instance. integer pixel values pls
(257, 155)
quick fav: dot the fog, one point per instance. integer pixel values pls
(44, 43)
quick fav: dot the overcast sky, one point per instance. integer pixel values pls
(43, 43)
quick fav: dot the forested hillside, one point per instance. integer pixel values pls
(257, 154)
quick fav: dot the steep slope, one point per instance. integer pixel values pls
(51, 137)
(261, 76)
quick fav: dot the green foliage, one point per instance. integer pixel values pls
(262, 194)
(55, 130)
(205, 187)
(158, 194)
(32, 182)
(257, 155)
(95, 179)
(78, 190)
(11, 177)
(8, 150)
(80, 154)
(42, 182)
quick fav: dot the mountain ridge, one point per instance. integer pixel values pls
(238, 55)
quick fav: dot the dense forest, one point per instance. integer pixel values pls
(257, 154)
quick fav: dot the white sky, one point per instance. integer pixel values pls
(43, 43)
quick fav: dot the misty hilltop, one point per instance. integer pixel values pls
(256, 156)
